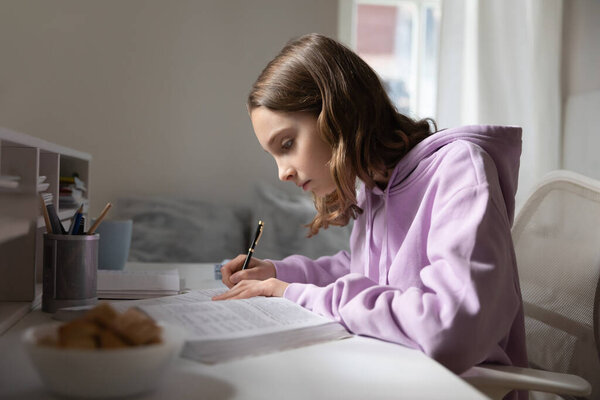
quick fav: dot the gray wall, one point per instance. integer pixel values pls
(155, 90)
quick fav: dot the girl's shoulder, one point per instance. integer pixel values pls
(458, 164)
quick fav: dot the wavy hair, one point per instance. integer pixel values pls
(355, 117)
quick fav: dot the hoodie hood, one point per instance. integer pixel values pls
(502, 143)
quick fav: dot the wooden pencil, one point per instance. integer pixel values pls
(46, 216)
(99, 219)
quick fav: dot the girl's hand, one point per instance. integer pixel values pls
(257, 269)
(250, 288)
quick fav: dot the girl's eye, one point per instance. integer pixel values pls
(287, 144)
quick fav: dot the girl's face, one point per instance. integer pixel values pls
(292, 139)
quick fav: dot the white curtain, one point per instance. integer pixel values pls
(500, 65)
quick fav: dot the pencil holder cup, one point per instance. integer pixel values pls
(70, 264)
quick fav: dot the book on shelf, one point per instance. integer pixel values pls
(119, 284)
(218, 331)
(70, 198)
(71, 192)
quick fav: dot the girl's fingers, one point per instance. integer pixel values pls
(247, 274)
(259, 270)
(242, 290)
(232, 275)
(230, 268)
(252, 288)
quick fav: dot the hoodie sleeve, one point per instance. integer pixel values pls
(463, 303)
(319, 272)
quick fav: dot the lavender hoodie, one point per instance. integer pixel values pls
(431, 263)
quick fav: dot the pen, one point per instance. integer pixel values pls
(57, 227)
(81, 227)
(100, 218)
(259, 230)
(76, 221)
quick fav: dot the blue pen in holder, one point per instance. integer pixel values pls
(70, 267)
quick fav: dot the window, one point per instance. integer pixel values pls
(399, 40)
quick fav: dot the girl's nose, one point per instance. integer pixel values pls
(286, 173)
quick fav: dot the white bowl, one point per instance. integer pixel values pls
(101, 373)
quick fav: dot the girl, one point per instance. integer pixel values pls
(432, 264)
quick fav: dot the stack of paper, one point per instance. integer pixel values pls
(219, 331)
(137, 284)
(42, 184)
(71, 192)
(9, 181)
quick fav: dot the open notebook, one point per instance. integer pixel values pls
(219, 331)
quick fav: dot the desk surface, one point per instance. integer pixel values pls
(355, 368)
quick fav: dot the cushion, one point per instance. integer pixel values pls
(284, 234)
(183, 230)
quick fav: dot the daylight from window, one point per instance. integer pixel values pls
(399, 40)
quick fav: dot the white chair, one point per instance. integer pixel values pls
(557, 243)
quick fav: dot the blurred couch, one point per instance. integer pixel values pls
(169, 229)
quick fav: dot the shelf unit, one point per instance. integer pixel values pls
(21, 222)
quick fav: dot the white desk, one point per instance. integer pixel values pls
(355, 368)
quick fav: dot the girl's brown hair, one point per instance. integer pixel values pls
(355, 116)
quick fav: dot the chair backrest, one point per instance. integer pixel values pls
(557, 243)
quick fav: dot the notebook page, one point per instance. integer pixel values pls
(204, 319)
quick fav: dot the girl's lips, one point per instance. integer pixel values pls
(305, 185)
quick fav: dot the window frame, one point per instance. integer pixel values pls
(347, 35)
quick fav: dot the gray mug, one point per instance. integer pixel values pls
(69, 273)
(115, 240)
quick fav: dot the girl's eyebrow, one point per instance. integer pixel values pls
(277, 133)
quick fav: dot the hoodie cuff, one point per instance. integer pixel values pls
(294, 291)
(308, 296)
(287, 273)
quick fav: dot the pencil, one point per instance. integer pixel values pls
(46, 216)
(99, 219)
